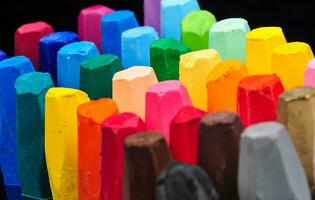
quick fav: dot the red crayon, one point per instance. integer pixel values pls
(114, 131)
(26, 39)
(258, 98)
(184, 134)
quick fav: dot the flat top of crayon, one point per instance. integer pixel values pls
(61, 92)
(298, 94)
(133, 72)
(229, 25)
(292, 48)
(220, 118)
(81, 48)
(98, 110)
(148, 138)
(311, 64)
(187, 114)
(33, 27)
(174, 2)
(198, 21)
(34, 83)
(169, 43)
(188, 60)
(139, 31)
(118, 15)
(259, 82)
(225, 68)
(14, 61)
(62, 37)
(96, 9)
(124, 120)
(264, 33)
(165, 86)
(99, 61)
(269, 130)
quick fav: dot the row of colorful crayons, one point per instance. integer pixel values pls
(89, 137)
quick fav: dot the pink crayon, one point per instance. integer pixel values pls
(89, 23)
(163, 101)
(152, 14)
(309, 76)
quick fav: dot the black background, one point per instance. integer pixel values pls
(297, 18)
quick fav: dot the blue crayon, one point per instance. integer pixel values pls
(49, 46)
(172, 13)
(113, 25)
(3, 55)
(10, 70)
(135, 46)
(69, 60)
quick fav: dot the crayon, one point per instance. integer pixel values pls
(195, 29)
(164, 58)
(228, 37)
(90, 140)
(130, 87)
(163, 100)
(152, 13)
(184, 134)
(89, 23)
(309, 74)
(3, 55)
(30, 90)
(26, 39)
(112, 26)
(269, 167)
(218, 151)
(61, 132)
(115, 130)
(10, 70)
(194, 68)
(296, 111)
(49, 46)
(289, 62)
(176, 180)
(260, 43)
(172, 13)
(224, 77)
(135, 46)
(146, 156)
(69, 59)
(257, 98)
(96, 75)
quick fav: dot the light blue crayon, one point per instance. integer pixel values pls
(228, 37)
(112, 26)
(69, 60)
(172, 13)
(10, 70)
(135, 46)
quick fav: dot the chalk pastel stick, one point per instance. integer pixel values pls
(222, 83)
(89, 23)
(164, 58)
(10, 70)
(152, 13)
(269, 167)
(194, 68)
(218, 151)
(195, 29)
(309, 74)
(296, 110)
(112, 26)
(61, 145)
(176, 180)
(257, 98)
(228, 37)
(130, 87)
(3, 55)
(114, 131)
(146, 156)
(90, 140)
(26, 39)
(289, 62)
(135, 46)
(260, 43)
(163, 101)
(184, 134)
(69, 59)
(96, 75)
(30, 90)
(49, 46)
(2, 188)
(172, 13)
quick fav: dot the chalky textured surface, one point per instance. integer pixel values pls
(30, 92)
(269, 166)
(164, 56)
(152, 13)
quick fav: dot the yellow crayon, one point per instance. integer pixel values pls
(61, 140)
